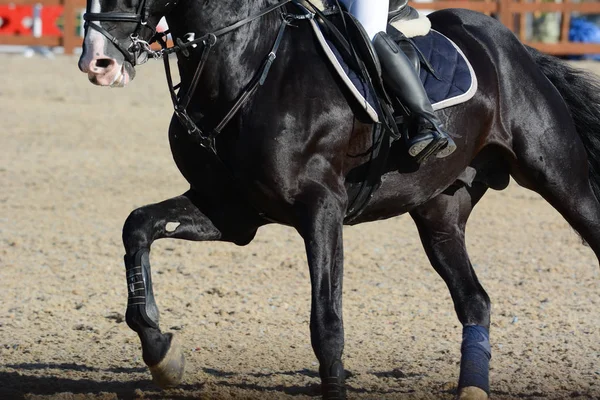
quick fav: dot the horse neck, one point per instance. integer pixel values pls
(237, 55)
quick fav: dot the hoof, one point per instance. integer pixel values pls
(472, 393)
(169, 372)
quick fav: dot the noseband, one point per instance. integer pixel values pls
(133, 51)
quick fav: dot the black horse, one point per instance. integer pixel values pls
(286, 154)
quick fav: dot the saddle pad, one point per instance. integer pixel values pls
(457, 82)
(351, 79)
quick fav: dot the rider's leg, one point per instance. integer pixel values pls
(372, 14)
(401, 77)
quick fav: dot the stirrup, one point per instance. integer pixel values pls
(449, 149)
(433, 142)
(431, 148)
(419, 143)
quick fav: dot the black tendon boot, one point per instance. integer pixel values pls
(401, 77)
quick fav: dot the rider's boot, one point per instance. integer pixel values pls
(401, 77)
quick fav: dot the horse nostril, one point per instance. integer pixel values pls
(104, 62)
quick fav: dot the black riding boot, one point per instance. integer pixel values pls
(401, 77)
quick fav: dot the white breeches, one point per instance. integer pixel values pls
(372, 14)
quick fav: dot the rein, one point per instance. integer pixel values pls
(182, 99)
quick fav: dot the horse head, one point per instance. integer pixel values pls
(116, 38)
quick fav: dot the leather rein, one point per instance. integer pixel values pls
(182, 98)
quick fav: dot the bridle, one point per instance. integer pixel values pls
(138, 46)
(182, 98)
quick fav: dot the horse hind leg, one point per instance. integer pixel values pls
(555, 166)
(178, 218)
(560, 158)
(441, 223)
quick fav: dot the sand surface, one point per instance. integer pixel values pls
(76, 159)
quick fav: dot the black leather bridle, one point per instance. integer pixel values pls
(137, 46)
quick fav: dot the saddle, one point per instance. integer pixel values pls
(398, 13)
(352, 41)
(398, 16)
(401, 11)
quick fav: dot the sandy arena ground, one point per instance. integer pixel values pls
(76, 159)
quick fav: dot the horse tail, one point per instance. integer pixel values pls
(581, 92)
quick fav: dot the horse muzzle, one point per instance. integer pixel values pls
(108, 72)
(102, 68)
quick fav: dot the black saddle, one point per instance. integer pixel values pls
(356, 48)
(401, 11)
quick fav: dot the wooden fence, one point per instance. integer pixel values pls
(51, 23)
(59, 21)
(513, 14)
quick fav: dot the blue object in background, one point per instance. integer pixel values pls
(582, 30)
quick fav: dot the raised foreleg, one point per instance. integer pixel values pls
(441, 223)
(179, 218)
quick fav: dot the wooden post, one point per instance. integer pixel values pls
(523, 25)
(505, 14)
(71, 38)
(68, 27)
(565, 23)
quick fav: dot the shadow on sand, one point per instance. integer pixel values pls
(41, 379)
(38, 379)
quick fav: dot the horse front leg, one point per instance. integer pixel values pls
(178, 218)
(441, 224)
(320, 224)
